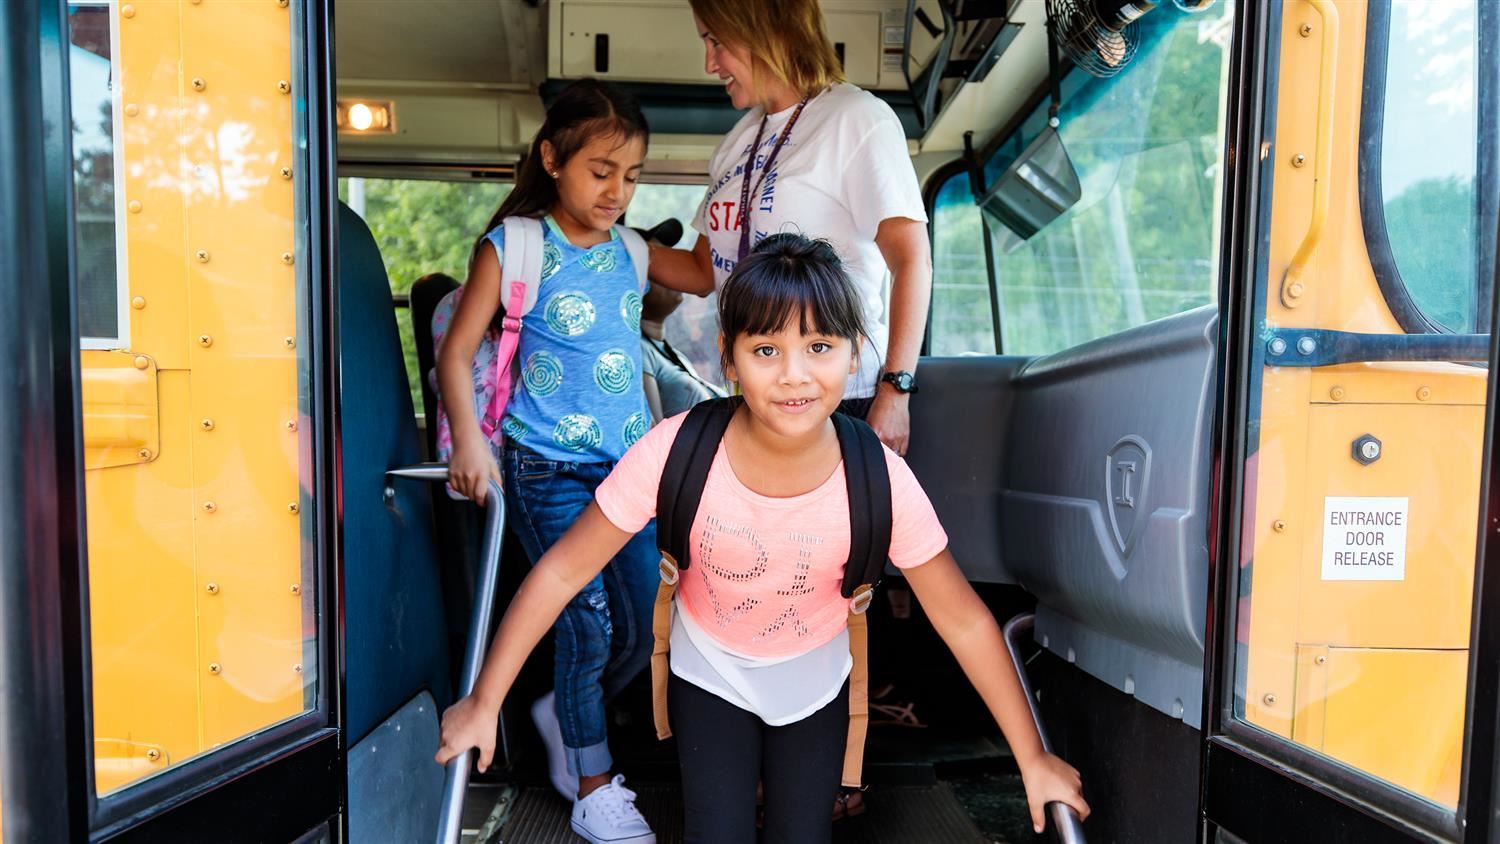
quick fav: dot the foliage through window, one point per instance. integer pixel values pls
(1427, 156)
(961, 321)
(422, 227)
(427, 227)
(101, 319)
(1142, 243)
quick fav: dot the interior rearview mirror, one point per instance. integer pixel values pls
(1033, 191)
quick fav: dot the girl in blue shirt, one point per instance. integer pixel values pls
(578, 406)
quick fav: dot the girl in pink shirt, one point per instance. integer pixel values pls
(759, 653)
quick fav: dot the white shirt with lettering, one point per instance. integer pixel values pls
(842, 171)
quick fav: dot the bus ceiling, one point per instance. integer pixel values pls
(466, 83)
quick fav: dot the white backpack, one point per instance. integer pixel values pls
(495, 368)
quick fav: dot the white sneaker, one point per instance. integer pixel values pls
(608, 816)
(544, 715)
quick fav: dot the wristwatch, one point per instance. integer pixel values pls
(903, 381)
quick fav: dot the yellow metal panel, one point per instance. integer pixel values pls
(1389, 714)
(143, 605)
(1399, 383)
(1312, 695)
(249, 546)
(1430, 455)
(197, 630)
(1272, 484)
(237, 135)
(1341, 291)
(119, 409)
(150, 97)
(1395, 713)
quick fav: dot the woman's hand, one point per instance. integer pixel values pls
(468, 724)
(470, 470)
(890, 416)
(1047, 779)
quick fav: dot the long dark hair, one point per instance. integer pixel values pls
(790, 275)
(582, 111)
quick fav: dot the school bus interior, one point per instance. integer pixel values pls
(1204, 408)
(1063, 426)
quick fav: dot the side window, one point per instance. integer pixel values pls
(1420, 126)
(1141, 243)
(93, 70)
(962, 322)
(421, 227)
(415, 241)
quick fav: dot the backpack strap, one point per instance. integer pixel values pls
(640, 254)
(520, 276)
(677, 496)
(869, 484)
(686, 473)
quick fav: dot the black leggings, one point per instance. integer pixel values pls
(724, 751)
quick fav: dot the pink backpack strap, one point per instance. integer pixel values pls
(522, 266)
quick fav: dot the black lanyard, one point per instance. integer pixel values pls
(744, 215)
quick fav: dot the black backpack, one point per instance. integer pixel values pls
(869, 485)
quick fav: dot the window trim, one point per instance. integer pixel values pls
(1398, 297)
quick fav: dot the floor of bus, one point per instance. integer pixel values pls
(952, 780)
(924, 786)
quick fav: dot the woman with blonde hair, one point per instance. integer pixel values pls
(818, 156)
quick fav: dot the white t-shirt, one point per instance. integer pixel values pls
(843, 170)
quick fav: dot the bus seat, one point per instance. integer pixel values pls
(426, 292)
(460, 525)
(395, 632)
(1105, 506)
(959, 423)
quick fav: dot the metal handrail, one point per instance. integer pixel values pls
(456, 773)
(1065, 821)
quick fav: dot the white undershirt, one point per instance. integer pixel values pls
(779, 691)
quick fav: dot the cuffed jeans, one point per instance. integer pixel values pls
(604, 634)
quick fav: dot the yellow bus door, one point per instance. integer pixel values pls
(170, 645)
(1350, 688)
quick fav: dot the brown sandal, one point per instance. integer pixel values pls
(849, 803)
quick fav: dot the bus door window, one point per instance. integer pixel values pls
(1362, 464)
(193, 314)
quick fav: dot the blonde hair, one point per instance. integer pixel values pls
(785, 37)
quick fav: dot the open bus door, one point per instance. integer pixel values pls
(169, 588)
(1351, 686)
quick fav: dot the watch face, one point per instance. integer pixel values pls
(902, 380)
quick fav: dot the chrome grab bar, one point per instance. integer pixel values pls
(1065, 821)
(456, 773)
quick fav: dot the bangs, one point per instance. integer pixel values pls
(790, 276)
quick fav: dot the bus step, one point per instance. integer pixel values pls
(896, 814)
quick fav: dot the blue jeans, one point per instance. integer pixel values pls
(604, 634)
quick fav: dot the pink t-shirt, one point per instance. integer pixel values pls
(765, 573)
